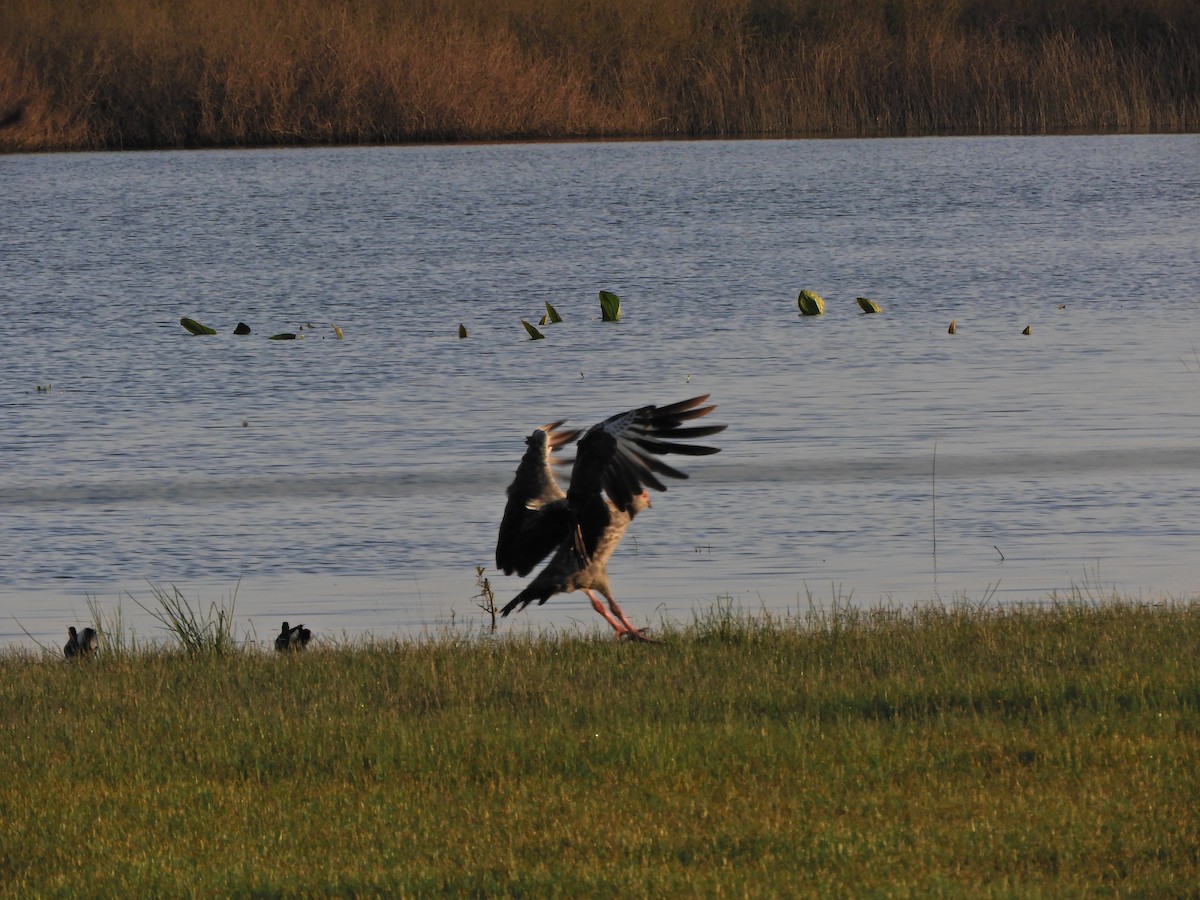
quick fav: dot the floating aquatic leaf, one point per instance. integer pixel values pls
(282, 336)
(545, 319)
(610, 306)
(534, 334)
(195, 327)
(868, 306)
(1028, 330)
(462, 330)
(552, 313)
(810, 303)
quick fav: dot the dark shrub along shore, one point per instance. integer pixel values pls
(200, 73)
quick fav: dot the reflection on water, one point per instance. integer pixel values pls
(355, 484)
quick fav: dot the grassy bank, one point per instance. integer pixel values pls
(188, 73)
(1049, 752)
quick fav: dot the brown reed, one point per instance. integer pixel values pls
(194, 73)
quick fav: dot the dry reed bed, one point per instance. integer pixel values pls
(148, 73)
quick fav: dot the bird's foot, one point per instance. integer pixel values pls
(637, 634)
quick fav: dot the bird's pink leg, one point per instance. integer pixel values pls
(621, 625)
(608, 617)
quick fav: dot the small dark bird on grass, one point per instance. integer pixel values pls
(616, 461)
(81, 643)
(292, 638)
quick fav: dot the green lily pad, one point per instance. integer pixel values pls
(195, 327)
(610, 306)
(811, 303)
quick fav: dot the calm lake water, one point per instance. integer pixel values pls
(355, 484)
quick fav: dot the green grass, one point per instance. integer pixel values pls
(959, 751)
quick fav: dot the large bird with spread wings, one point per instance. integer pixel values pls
(616, 461)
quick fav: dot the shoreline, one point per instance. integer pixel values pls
(597, 139)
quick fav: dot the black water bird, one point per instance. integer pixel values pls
(616, 460)
(81, 643)
(292, 638)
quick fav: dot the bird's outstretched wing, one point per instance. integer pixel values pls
(620, 457)
(535, 517)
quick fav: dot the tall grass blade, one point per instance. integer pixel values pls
(195, 629)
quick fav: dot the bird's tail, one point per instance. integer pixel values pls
(527, 596)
